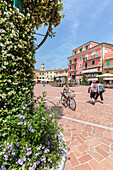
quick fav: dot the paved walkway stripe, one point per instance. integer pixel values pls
(88, 123)
(95, 103)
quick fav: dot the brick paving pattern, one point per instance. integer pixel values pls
(88, 130)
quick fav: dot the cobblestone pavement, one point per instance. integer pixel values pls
(88, 130)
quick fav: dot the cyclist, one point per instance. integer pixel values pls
(66, 89)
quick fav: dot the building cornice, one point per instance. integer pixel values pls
(90, 49)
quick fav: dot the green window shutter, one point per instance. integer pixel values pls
(18, 4)
(39, 73)
(108, 64)
(86, 47)
(93, 62)
(85, 64)
(81, 50)
(74, 67)
(75, 52)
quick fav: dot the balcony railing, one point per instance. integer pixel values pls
(108, 58)
(110, 66)
(74, 62)
(72, 70)
(91, 57)
(93, 66)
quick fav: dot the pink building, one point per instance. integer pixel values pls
(88, 59)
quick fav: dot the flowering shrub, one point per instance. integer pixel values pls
(32, 141)
(28, 136)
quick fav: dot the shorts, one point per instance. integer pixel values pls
(67, 95)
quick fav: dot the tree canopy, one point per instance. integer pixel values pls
(43, 13)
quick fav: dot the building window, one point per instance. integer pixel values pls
(50, 71)
(107, 71)
(74, 67)
(80, 73)
(42, 77)
(74, 73)
(93, 62)
(75, 60)
(85, 64)
(86, 47)
(75, 52)
(37, 77)
(70, 61)
(70, 67)
(80, 65)
(54, 72)
(81, 50)
(108, 64)
(66, 71)
(47, 76)
(90, 45)
(86, 55)
(70, 74)
(47, 72)
(50, 76)
(39, 73)
(42, 73)
(93, 53)
(106, 50)
(80, 58)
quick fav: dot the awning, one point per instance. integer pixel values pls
(45, 80)
(105, 75)
(57, 78)
(92, 79)
(107, 78)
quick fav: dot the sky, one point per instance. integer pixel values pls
(85, 20)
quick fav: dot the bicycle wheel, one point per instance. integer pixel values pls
(62, 100)
(72, 104)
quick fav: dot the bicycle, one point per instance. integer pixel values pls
(71, 103)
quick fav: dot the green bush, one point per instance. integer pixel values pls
(31, 141)
(28, 135)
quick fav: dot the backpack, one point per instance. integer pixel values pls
(89, 89)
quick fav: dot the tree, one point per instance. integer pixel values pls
(42, 13)
(28, 137)
(84, 79)
(100, 79)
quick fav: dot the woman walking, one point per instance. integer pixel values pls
(93, 92)
(100, 92)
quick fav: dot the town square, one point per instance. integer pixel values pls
(88, 130)
(56, 85)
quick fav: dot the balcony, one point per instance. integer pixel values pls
(109, 66)
(92, 66)
(74, 62)
(109, 58)
(91, 58)
(72, 70)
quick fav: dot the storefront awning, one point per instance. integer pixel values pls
(92, 79)
(107, 78)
